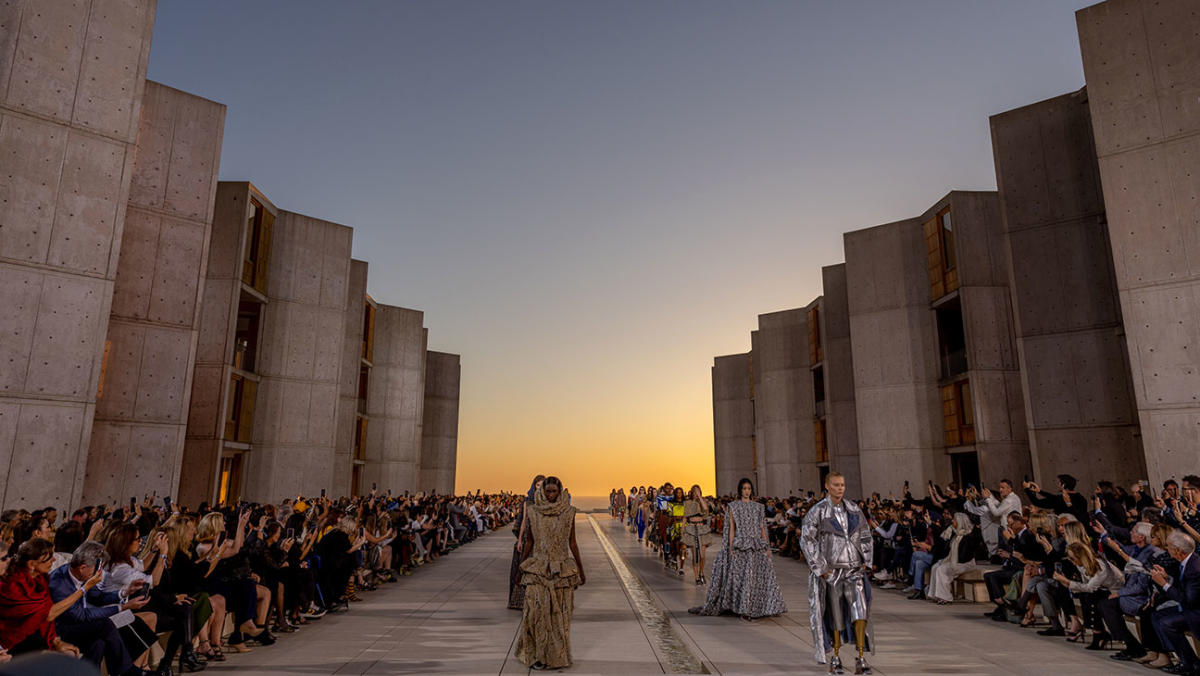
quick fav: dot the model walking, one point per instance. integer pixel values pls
(697, 535)
(516, 593)
(837, 543)
(743, 576)
(551, 570)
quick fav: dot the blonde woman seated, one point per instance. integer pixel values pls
(965, 541)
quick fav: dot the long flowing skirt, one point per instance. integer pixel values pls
(546, 626)
(743, 582)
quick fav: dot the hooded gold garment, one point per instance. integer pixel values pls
(550, 577)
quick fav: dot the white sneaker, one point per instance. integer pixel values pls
(909, 589)
(889, 585)
(883, 576)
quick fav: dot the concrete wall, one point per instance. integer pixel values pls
(841, 410)
(214, 347)
(352, 360)
(141, 412)
(1142, 64)
(396, 400)
(300, 359)
(783, 404)
(71, 81)
(1078, 403)
(1001, 437)
(439, 435)
(733, 420)
(894, 345)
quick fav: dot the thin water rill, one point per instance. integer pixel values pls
(678, 659)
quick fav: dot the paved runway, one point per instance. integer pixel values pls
(450, 617)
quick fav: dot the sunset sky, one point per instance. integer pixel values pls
(590, 200)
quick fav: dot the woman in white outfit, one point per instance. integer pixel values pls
(965, 540)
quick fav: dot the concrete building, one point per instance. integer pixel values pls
(733, 421)
(300, 362)
(396, 399)
(228, 363)
(1079, 408)
(357, 352)
(71, 84)
(145, 386)
(783, 404)
(1141, 61)
(893, 340)
(831, 360)
(439, 434)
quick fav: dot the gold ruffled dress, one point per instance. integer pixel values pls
(550, 577)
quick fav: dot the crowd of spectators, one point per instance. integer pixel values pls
(110, 581)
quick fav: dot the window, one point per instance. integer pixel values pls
(958, 413)
(364, 377)
(230, 486)
(368, 345)
(257, 248)
(947, 239)
(819, 441)
(360, 438)
(952, 339)
(239, 424)
(818, 384)
(815, 354)
(245, 337)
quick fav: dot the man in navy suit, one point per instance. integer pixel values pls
(87, 622)
(1172, 623)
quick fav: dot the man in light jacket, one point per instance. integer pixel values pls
(992, 512)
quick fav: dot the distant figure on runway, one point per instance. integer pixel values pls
(516, 593)
(551, 570)
(743, 576)
(837, 543)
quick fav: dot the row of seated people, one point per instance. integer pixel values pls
(107, 583)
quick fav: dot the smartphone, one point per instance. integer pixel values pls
(167, 502)
(291, 533)
(1058, 567)
(362, 532)
(133, 502)
(322, 492)
(1026, 478)
(373, 485)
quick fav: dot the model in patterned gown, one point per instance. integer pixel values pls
(743, 576)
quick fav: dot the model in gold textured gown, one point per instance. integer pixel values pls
(550, 572)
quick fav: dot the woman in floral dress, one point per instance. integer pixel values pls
(743, 576)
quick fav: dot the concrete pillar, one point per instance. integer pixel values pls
(837, 361)
(353, 362)
(783, 403)
(142, 406)
(439, 438)
(733, 420)
(300, 359)
(1141, 60)
(1070, 339)
(71, 81)
(396, 400)
(894, 346)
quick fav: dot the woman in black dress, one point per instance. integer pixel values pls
(516, 593)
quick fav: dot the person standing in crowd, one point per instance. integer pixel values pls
(745, 585)
(551, 570)
(991, 510)
(1065, 501)
(697, 535)
(837, 543)
(516, 592)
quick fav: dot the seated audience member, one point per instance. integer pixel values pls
(1014, 539)
(1134, 596)
(964, 540)
(1171, 624)
(89, 620)
(1099, 579)
(27, 612)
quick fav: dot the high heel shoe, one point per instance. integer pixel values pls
(1075, 636)
(1100, 641)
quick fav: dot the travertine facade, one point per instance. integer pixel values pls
(142, 406)
(1141, 60)
(439, 434)
(71, 82)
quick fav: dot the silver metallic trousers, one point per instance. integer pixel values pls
(846, 587)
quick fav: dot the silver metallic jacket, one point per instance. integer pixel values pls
(843, 552)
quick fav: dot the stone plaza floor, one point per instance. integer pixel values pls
(631, 618)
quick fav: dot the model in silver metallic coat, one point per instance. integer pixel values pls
(837, 543)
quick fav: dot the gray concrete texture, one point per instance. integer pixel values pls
(894, 344)
(213, 368)
(141, 412)
(300, 358)
(733, 420)
(1001, 438)
(439, 433)
(396, 399)
(1141, 61)
(351, 367)
(841, 411)
(1079, 407)
(71, 77)
(783, 404)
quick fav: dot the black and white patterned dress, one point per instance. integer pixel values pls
(743, 576)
